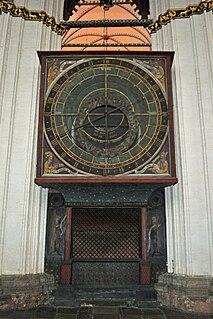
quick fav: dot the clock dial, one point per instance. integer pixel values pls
(106, 116)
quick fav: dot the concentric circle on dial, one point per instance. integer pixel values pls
(106, 116)
(106, 127)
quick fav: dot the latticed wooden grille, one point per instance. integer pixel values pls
(105, 233)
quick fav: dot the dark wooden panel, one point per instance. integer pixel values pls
(105, 274)
(65, 274)
(145, 278)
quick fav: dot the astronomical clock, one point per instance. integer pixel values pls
(105, 117)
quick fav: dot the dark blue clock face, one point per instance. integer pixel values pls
(106, 116)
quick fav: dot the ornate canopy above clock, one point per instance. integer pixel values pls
(105, 117)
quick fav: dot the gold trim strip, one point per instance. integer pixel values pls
(33, 15)
(180, 13)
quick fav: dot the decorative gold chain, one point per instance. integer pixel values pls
(180, 13)
(163, 19)
(34, 15)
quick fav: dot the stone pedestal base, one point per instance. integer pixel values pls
(188, 293)
(26, 291)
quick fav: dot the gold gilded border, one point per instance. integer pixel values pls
(163, 19)
(34, 15)
(180, 13)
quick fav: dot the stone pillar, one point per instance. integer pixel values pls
(22, 203)
(189, 204)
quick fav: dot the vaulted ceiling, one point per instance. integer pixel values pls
(123, 37)
(71, 6)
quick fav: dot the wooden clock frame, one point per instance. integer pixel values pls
(163, 180)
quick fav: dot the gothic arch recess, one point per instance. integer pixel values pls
(125, 38)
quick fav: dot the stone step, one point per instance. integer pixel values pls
(68, 296)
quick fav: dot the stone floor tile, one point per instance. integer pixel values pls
(84, 316)
(199, 316)
(46, 315)
(106, 316)
(187, 316)
(168, 311)
(176, 315)
(84, 313)
(23, 315)
(152, 312)
(154, 316)
(131, 311)
(105, 310)
(5, 313)
(47, 312)
(67, 310)
(138, 316)
(64, 316)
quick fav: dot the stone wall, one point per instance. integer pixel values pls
(26, 291)
(189, 204)
(22, 203)
(191, 294)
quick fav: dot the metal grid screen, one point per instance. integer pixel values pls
(108, 233)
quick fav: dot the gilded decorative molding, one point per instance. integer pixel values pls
(180, 13)
(59, 28)
(33, 15)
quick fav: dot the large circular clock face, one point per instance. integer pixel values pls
(106, 116)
